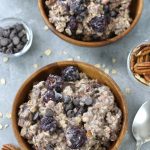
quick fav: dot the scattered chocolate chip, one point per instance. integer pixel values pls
(4, 42)
(21, 33)
(16, 40)
(6, 33)
(24, 39)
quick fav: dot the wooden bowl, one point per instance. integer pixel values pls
(42, 74)
(135, 9)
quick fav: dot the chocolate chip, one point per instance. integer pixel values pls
(24, 39)
(16, 40)
(6, 33)
(13, 34)
(10, 45)
(4, 41)
(19, 27)
(21, 33)
(20, 46)
(70, 113)
(9, 51)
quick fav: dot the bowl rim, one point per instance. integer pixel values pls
(78, 63)
(89, 44)
(29, 31)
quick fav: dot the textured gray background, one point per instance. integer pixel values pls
(18, 69)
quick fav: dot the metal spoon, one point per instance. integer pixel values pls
(141, 125)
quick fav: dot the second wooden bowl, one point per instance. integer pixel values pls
(135, 13)
(54, 68)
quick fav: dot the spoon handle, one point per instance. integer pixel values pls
(138, 145)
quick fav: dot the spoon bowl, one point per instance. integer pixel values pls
(141, 125)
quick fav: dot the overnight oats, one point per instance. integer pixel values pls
(70, 111)
(90, 20)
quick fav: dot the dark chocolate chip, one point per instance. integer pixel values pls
(16, 40)
(6, 33)
(13, 34)
(24, 39)
(4, 41)
(20, 46)
(21, 33)
(19, 27)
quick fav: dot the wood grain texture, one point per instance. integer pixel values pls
(135, 12)
(42, 74)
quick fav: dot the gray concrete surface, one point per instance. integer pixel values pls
(18, 69)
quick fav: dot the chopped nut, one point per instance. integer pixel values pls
(48, 52)
(35, 66)
(8, 115)
(114, 60)
(2, 81)
(46, 28)
(114, 71)
(106, 70)
(97, 65)
(5, 59)
(1, 127)
(1, 115)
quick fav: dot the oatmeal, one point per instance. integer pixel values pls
(68, 112)
(90, 20)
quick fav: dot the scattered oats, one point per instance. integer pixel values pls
(35, 66)
(106, 70)
(48, 52)
(46, 28)
(5, 59)
(103, 65)
(8, 115)
(128, 90)
(2, 81)
(1, 115)
(69, 59)
(114, 71)
(97, 65)
(114, 60)
(6, 126)
(78, 57)
(1, 127)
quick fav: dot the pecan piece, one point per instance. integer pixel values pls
(9, 147)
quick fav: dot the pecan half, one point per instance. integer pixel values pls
(9, 147)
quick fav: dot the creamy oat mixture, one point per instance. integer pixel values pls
(69, 112)
(90, 20)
